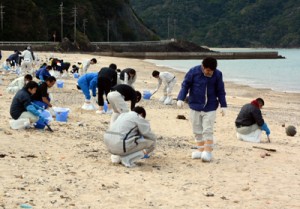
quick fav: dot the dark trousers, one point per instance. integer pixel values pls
(104, 86)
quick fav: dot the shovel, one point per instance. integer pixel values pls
(49, 128)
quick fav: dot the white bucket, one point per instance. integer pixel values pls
(20, 123)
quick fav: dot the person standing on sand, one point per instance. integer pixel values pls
(250, 123)
(169, 81)
(205, 86)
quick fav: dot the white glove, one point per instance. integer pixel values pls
(223, 111)
(180, 103)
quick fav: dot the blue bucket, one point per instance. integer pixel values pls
(147, 95)
(41, 124)
(60, 84)
(76, 75)
(61, 114)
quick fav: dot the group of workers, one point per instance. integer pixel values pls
(129, 136)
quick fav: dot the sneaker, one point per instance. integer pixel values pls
(196, 155)
(206, 156)
(115, 159)
(109, 112)
(100, 112)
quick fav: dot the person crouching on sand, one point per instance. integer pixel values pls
(130, 137)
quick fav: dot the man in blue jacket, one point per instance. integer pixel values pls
(205, 86)
(43, 72)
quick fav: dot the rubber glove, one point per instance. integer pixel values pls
(266, 129)
(180, 103)
(42, 119)
(223, 111)
(33, 110)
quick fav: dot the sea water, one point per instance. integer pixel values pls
(277, 74)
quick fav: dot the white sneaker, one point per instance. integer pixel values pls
(196, 155)
(206, 156)
(100, 112)
(115, 159)
(109, 112)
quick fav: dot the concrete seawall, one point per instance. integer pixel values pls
(193, 55)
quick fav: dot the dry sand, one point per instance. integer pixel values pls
(70, 168)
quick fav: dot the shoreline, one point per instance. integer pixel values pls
(71, 168)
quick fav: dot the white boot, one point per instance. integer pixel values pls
(168, 100)
(163, 98)
(129, 160)
(206, 156)
(196, 155)
(115, 159)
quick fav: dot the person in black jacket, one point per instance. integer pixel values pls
(250, 123)
(107, 78)
(117, 99)
(127, 76)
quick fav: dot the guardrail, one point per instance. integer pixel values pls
(31, 43)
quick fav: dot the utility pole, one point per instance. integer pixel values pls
(174, 29)
(84, 25)
(107, 30)
(61, 7)
(1, 15)
(168, 27)
(75, 15)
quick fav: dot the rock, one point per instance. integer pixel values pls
(291, 130)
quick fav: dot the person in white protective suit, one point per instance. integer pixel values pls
(169, 81)
(84, 66)
(27, 62)
(130, 137)
(18, 84)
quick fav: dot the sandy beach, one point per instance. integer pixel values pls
(71, 168)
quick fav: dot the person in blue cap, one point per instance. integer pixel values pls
(87, 82)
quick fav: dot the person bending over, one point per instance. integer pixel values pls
(18, 84)
(169, 81)
(117, 99)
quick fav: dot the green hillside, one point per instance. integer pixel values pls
(224, 23)
(38, 20)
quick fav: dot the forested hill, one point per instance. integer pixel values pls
(224, 23)
(100, 20)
